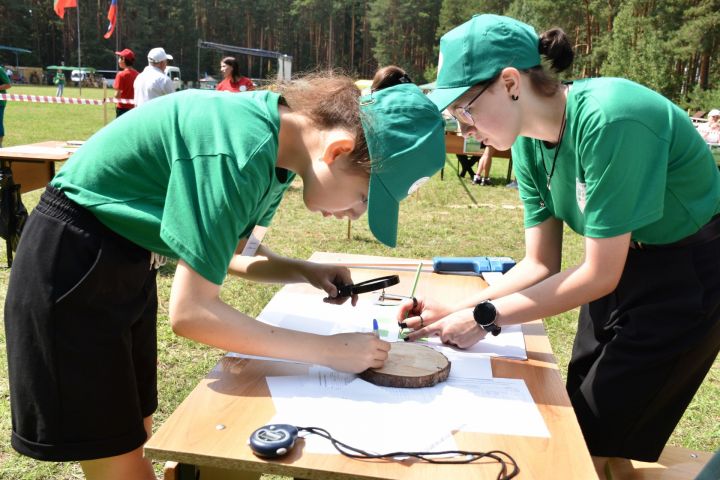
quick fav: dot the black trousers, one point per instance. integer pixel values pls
(642, 352)
(80, 323)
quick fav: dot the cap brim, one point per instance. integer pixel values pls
(169, 57)
(442, 97)
(383, 213)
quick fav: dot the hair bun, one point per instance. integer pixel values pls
(555, 46)
(389, 77)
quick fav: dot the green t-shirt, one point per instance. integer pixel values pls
(4, 80)
(186, 176)
(59, 78)
(629, 161)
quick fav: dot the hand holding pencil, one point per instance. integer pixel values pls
(417, 313)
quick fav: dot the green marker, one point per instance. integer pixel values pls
(402, 333)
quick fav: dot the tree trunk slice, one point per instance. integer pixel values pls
(410, 365)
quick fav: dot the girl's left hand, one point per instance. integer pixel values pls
(458, 329)
(328, 277)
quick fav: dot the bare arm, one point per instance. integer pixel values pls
(543, 254)
(196, 312)
(597, 275)
(268, 267)
(543, 291)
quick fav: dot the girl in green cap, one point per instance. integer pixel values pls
(623, 167)
(189, 176)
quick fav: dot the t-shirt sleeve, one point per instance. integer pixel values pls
(247, 83)
(535, 211)
(208, 205)
(624, 171)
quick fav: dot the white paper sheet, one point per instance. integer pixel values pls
(382, 419)
(308, 313)
(357, 413)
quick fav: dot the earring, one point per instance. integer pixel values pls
(514, 97)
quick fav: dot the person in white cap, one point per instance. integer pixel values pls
(153, 82)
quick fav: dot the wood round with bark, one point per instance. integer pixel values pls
(410, 365)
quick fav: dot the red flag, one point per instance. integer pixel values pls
(61, 5)
(112, 16)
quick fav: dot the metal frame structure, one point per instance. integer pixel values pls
(284, 61)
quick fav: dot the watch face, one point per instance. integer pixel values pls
(484, 314)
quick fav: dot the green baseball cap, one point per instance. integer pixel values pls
(405, 135)
(478, 50)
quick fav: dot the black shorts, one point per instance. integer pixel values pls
(80, 324)
(642, 352)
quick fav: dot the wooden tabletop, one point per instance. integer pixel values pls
(33, 165)
(50, 151)
(234, 395)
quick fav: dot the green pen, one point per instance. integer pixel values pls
(412, 295)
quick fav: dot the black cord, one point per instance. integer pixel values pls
(503, 459)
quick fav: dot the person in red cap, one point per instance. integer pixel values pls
(124, 81)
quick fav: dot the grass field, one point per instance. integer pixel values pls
(447, 217)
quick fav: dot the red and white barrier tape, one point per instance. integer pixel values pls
(13, 97)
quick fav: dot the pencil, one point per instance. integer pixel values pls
(376, 329)
(412, 293)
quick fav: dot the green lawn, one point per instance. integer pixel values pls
(447, 217)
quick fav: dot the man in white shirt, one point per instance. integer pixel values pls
(153, 82)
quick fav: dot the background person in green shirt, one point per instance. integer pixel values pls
(623, 167)
(59, 80)
(189, 176)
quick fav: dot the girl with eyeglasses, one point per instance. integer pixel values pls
(624, 167)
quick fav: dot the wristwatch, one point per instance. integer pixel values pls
(484, 314)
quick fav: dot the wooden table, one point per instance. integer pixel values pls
(235, 395)
(33, 165)
(455, 144)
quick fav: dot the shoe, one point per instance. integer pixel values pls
(477, 181)
(486, 181)
(512, 184)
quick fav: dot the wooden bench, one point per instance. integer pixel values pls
(675, 463)
(455, 144)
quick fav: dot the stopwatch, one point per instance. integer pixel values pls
(272, 441)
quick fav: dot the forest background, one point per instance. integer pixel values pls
(671, 46)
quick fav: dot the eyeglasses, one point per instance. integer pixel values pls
(462, 114)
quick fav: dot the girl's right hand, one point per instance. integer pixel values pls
(356, 352)
(419, 312)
